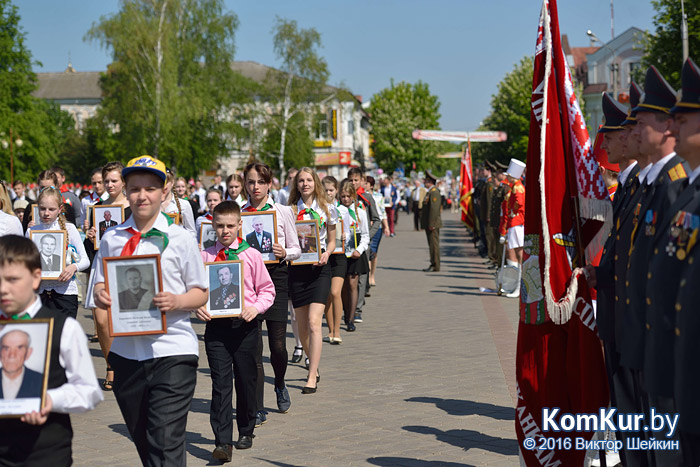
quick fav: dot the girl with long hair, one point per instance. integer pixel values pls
(309, 285)
(339, 265)
(213, 198)
(9, 223)
(258, 178)
(172, 205)
(235, 189)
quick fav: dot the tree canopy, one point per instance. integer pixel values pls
(510, 112)
(395, 113)
(663, 47)
(170, 86)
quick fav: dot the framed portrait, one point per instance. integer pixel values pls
(52, 246)
(104, 217)
(225, 288)
(25, 349)
(175, 216)
(307, 232)
(35, 213)
(259, 229)
(207, 235)
(132, 282)
(339, 229)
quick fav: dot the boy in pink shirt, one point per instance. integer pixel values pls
(232, 342)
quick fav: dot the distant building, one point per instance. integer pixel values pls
(340, 126)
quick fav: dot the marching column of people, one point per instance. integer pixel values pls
(646, 302)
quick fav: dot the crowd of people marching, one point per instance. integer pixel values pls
(153, 375)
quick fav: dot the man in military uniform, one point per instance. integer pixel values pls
(672, 338)
(431, 221)
(501, 187)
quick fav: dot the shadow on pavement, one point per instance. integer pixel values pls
(390, 268)
(475, 290)
(281, 464)
(467, 439)
(201, 405)
(196, 451)
(408, 462)
(464, 407)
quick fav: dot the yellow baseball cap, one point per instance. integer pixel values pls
(145, 164)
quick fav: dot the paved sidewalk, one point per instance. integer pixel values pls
(427, 379)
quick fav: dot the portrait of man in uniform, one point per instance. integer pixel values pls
(18, 381)
(135, 297)
(227, 295)
(259, 238)
(107, 222)
(209, 238)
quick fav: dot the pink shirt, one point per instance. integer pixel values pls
(286, 229)
(258, 289)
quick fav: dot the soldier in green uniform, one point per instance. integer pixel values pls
(431, 221)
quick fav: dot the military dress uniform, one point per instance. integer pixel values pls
(430, 218)
(499, 195)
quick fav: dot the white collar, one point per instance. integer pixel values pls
(314, 205)
(643, 173)
(268, 200)
(656, 168)
(161, 223)
(32, 309)
(622, 178)
(694, 174)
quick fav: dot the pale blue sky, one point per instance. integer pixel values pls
(461, 48)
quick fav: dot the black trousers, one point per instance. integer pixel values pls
(231, 353)
(690, 447)
(629, 397)
(66, 305)
(416, 215)
(154, 397)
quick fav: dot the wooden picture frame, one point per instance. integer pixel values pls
(35, 213)
(51, 256)
(205, 238)
(96, 210)
(268, 219)
(309, 240)
(226, 302)
(175, 216)
(31, 395)
(339, 244)
(132, 312)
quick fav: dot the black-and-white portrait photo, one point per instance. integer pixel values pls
(259, 229)
(137, 288)
(23, 362)
(52, 250)
(104, 217)
(132, 283)
(207, 235)
(225, 288)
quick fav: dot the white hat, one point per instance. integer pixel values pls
(516, 168)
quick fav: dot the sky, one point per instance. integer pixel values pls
(460, 48)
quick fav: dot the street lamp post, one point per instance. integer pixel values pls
(684, 32)
(613, 66)
(11, 142)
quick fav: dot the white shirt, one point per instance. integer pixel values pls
(81, 392)
(186, 214)
(379, 201)
(10, 387)
(643, 173)
(656, 167)
(83, 262)
(182, 269)
(286, 230)
(283, 196)
(10, 225)
(202, 194)
(622, 178)
(325, 220)
(694, 174)
(362, 227)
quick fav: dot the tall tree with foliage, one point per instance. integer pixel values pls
(663, 47)
(510, 112)
(395, 113)
(301, 78)
(41, 126)
(299, 147)
(170, 86)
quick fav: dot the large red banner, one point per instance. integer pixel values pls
(466, 189)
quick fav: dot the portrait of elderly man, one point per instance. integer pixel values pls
(49, 260)
(107, 222)
(225, 296)
(135, 297)
(18, 381)
(259, 238)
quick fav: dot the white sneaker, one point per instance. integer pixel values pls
(515, 294)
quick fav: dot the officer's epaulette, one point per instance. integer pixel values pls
(677, 172)
(518, 188)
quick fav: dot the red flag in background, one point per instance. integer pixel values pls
(466, 189)
(559, 362)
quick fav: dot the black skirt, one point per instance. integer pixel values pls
(280, 277)
(339, 265)
(358, 265)
(309, 284)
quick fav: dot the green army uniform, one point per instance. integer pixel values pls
(499, 194)
(430, 218)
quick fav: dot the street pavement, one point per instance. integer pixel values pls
(427, 379)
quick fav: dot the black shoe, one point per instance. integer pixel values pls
(260, 418)
(223, 453)
(318, 375)
(308, 390)
(429, 269)
(306, 363)
(296, 357)
(367, 294)
(245, 442)
(351, 327)
(283, 400)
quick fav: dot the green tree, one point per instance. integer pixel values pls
(170, 87)
(510, 112)
(41, 126)
(395, 113)
(299, 147)
(301, 77)
(663, 47)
